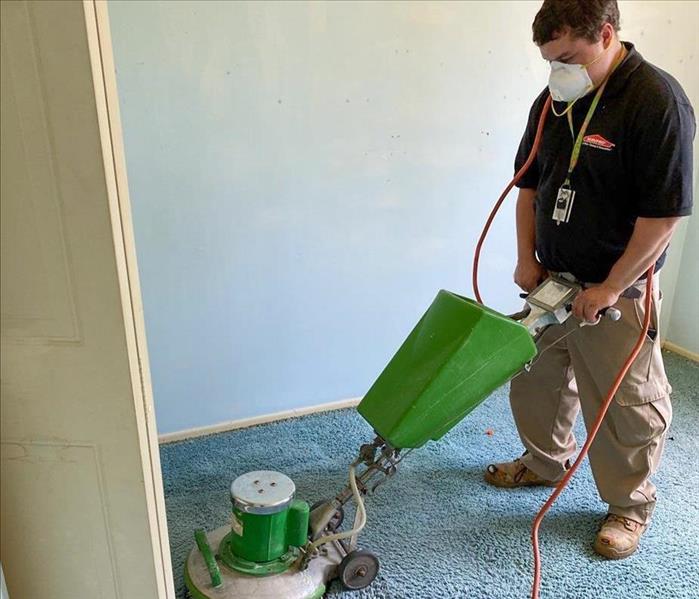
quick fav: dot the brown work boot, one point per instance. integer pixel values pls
(514, 474)
(618, 537)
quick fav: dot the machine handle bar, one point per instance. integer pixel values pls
(610, 312)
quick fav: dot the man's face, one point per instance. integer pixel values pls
(571, 50)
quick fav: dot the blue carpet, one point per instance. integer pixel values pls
(438, 529)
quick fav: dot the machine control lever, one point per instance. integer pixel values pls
(610, 313)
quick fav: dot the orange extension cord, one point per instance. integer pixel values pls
(503, 195)
(617, 381)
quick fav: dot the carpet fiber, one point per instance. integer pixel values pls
(437, 528)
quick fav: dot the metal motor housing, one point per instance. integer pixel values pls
(267, 524)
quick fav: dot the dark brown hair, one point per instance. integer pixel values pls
(584, 19)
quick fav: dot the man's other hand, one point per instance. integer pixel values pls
(588, 303)
(529, 273)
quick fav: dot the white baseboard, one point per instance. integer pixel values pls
(678, 349)
(221, 427)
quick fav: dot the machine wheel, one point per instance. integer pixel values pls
(336, 520)
(358, 569)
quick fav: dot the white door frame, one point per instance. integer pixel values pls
(104, 77)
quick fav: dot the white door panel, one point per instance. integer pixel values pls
(81, 506)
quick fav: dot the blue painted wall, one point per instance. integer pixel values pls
(304, 177)
(684, 325)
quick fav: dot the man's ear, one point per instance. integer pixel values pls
(607, 35)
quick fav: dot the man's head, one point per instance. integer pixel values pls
(577, 32)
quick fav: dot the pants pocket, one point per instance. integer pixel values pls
(639, 425)
(646, 380)
(662, 409)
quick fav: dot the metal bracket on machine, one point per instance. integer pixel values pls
(380, 461)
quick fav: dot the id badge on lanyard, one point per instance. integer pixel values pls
(564, 204)
(566, 194)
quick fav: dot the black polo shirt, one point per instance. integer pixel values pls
(636, 160)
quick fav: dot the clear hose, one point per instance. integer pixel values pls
(360, 520)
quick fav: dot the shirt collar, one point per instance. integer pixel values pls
(620, 76)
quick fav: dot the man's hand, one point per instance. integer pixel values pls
(588, 303)
(529, 273)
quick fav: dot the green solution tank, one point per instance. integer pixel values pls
(454, 358)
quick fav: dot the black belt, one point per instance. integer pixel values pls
(632, 292)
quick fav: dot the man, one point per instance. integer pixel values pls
(602, 219)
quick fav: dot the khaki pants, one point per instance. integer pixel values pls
(577, 372)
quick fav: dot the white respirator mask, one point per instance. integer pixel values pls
(570, 82)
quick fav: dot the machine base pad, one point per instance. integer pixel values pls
(292, 584)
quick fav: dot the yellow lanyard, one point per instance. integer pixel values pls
(575, 154)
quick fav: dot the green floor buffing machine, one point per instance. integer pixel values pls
(279, 547)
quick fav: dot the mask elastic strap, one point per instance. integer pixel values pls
(600, 55)
(566, 110)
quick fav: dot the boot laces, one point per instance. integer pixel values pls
(630, 525)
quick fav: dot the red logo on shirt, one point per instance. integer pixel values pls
(597, 141)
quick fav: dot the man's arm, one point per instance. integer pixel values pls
(529, 272)
(650, 237)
